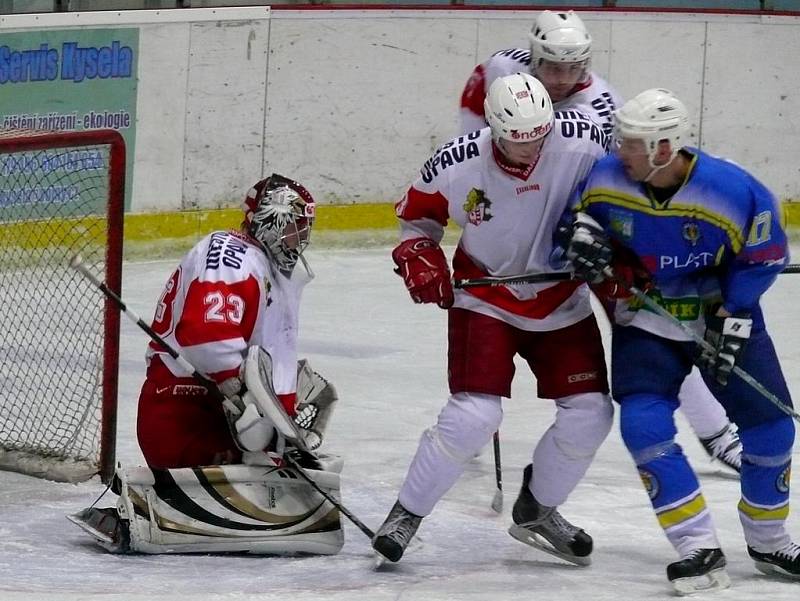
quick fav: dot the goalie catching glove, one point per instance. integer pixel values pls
(423, 267)
(316, 398)
(727, 337)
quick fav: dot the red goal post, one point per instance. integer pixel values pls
(61, 193)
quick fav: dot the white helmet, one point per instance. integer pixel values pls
(652, 116)
(518, 108)
(559, 38)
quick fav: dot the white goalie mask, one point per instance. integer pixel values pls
(279, 215)
(518, 108)
(560, 37)
(652, 116)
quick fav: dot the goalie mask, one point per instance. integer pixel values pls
(279, 214)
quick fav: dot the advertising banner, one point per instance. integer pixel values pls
(65, 80)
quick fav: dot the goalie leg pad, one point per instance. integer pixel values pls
(230, 508)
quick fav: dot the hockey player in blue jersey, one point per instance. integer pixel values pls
(704, 237)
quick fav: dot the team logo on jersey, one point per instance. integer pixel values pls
(691, 232)
(782, 483)
(477, 207)
(650, 482)
(621, 223)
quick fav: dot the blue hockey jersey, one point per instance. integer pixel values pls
(719, 238)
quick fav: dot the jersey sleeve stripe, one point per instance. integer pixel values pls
(475, 92)
(421, 205)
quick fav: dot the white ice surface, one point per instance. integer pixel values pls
(387, 358)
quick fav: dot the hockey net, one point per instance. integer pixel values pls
(60, 194)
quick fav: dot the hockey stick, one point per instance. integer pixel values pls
(77, 264)
(555, 276)
(522, 278)
(497, 501)
(702, 342)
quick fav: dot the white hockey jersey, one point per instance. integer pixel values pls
(225, 296)
(508, 217)
(594, 97)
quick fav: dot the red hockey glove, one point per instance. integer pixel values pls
(629, 271)
(619, 290)
(423, 267)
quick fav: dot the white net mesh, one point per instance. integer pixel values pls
(53, 204)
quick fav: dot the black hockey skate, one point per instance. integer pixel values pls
(725, 447)
(700, 570)
(546, 529)
(784, 562)
(395, 533)
(105, 525)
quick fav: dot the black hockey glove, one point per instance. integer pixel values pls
(727, 337)
(589, 249)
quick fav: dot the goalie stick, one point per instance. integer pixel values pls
(76, 263)
(703, 343)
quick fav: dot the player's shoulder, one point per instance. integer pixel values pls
(609, 166)
(456, 155)
(724, 174)
(716, 166)
(229, 255)
(600, 84)
(607, 181)
(512, 58)
(506, 62)
(576, 131)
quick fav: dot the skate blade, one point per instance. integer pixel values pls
(724, 469)
(79, 519)
(383, 562)
(379, 562)
(772, 570)
(715, 580)
(532, 539)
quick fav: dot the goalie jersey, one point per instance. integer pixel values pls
(507, 217)
(225, 296)
(717, 239)
(595, 97)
